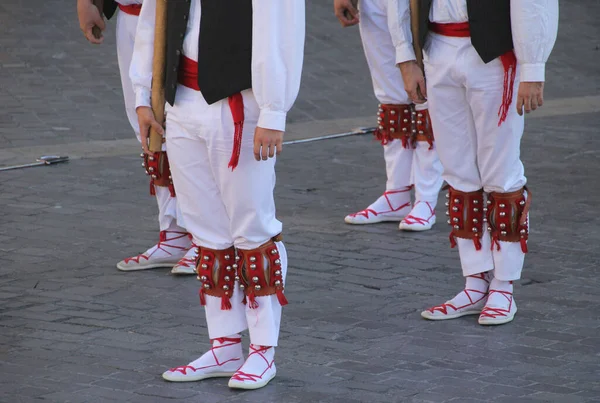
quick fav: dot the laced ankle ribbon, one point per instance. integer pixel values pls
(443, 308)
(365, 213)
(231, 342)
(244, 376)
(489, 312)
(411, 219)
(162, 242)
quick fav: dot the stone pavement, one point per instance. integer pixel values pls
(74, 329)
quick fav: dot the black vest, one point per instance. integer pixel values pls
(489, 20)
(108, 8)
(224, 47)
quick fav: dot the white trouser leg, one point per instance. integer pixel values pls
(498, 147)
(199, 197)
(126, 27)
(247, 194)
(456, 136)
(221, 207)
(381, 53)
(398, 161)
(427, 173)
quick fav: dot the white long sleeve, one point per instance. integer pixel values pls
(399, 26)
(277, 55)
(534, 29)
(140, 70)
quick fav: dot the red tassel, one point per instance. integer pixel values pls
(172, 190)
(477, 243)
(244, 301)
(509, 62)
(382, 136)
(404, 142)
(495, 242)
(281, 297)
(236, 104)
(152, 190)
(524, 245)
(452, 241)
(252, 301)
(225, 303)
(202, 299)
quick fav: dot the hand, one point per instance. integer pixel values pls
(346, 12)
(267, 142)
(146, 121)
(530, 96)
(90, 17)
(414, 81)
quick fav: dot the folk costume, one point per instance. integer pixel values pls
(476, 53)
(230, 67)
(174, 248)
(403, 129)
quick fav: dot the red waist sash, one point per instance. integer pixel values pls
(132, 9)
(188, 77)
(509, 62)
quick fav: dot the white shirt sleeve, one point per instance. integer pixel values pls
(399, 26)
(277, 56)
(140, 70)
(534, 29)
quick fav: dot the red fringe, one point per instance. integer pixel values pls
(225, 303)
(405, 142)
(152, 190)
(495, 242)
(452, 240)
(172, 190)
(477, 243)
(509, 62)
(383, 137)
(281, 297)
(524, 245)
(236, 104)
(202, 299)
(252, 301)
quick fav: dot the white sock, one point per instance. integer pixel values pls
(500, 299)
(225, 353)
(476, 287)
(392, 201)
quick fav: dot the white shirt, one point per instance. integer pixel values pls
(277, 55)
(128, 2)
(534, 30)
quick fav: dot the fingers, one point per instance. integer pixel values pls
(540, 99)
(144, 129)
(527, 103)
(423, 88)
(257, 145)
(279, 147)
(520, 101)
(265, 151)
(92, 37)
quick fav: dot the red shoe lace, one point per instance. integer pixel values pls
(365, 213)
(244, 376)
(188, 261)
(162, 241)
(489, 312)
(443, 308)
(411, 219)
(232, 341)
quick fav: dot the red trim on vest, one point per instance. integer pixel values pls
(132, 9)
(188, 77)
(509, 62)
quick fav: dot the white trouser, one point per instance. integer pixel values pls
(464, 97)
(126, 27)
(404, 166)
(223, 207)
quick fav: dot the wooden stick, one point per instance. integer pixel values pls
(158, 73)
(414, 28)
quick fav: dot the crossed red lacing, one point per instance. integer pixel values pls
(443, 308)
(162, 241)
(188, 261)
(489, 312)
(411, 219)
(243, 376)
(232, 341)
(365, 213)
